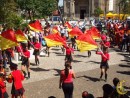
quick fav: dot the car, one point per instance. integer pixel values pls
(55, 18)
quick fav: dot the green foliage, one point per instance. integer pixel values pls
(13, 21)
(125, 6)
(98, 11)
(37, 8)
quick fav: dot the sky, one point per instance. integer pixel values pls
(60, 2)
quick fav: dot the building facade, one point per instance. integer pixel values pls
(85, 8)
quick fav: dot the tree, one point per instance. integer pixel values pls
(9, 16)
(98, 11)
(124, 6)
(37, 8)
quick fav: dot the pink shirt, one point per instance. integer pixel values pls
(68, 79)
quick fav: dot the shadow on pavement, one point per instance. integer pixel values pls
(60, 55)
(90, 78)
(39, 69)
(55, 49)
(80, 56)
(94, 62)
(33, 64)
(124, 72)
(58, 72)
(76, 61)
(123, 65)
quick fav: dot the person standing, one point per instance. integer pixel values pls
(69, 51)
(36, 53)
(104, 62)
(16, 77)
(25, 61)
(66, 81)
(3, 92)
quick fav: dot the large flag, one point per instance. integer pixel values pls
(54, 40)
(67, 24)
(85, 42)
(69, 27)
(94, 33)
(36, 26)
(20, 36)
(8, 39)
(75, 32)
(55, 29)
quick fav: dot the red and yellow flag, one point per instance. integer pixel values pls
(55, 29)
(36, 26)
(8, 39)
(94, 33)
(20, 36)
(85, 42)
(54, 40)
(67, 24)
(75, 32)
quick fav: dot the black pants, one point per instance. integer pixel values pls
(68, 90)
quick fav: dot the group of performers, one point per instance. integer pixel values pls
(16, 75)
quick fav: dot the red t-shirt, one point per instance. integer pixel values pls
(18, 78)
(68, 79)
(37, 45)
(26, 53)
(69, 50)
(105, 56)
(2, 87)
(19, 49)
(107, 44)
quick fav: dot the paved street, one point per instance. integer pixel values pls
(45, 78)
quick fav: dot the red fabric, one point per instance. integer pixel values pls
(105, 56)
(26, 53)
(37, 45)
(18, 78)
(107, 44)
(103, 37)
(2, 87)
(69, 50)
(68, 79)
(19, 49)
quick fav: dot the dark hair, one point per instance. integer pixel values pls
(52, 97)
(90, 96)
(116, 81)
(66, 69)
(107, 90)
(13, 66)
(85, 94)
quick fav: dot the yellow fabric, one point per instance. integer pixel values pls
(54, 31)
(52, 43)
(36, 30)
(5, 43)
(20, 38)
(95, 37)
(84, 46)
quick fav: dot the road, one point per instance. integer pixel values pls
(45, 78)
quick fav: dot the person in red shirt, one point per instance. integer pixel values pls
(16, 77)
(66, 81)
(104, 43)
(69, 51)
(36, 53)
(62, 48)
(25, 61)
(3, 93)
(104, 62)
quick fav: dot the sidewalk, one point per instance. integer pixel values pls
(44, 79)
